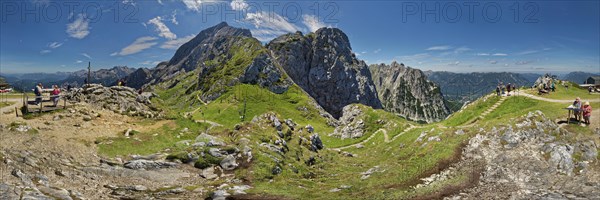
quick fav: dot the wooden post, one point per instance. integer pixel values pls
(16, 113)
(26, 103)
(65, 102)
(41, 105)
(89, 73)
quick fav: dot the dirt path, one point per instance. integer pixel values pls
(15, 101)
(385, 135)
(554, 100)
(594, 122)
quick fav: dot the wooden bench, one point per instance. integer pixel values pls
(45, 105)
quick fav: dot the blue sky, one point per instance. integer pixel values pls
(472, 36)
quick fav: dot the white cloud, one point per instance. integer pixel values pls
(162, 29)
(159, 2)
(138, 45)
(499, 54)
(45, 51)
(483, 54)
(439, 48)
(86, 55)
(239, 5)
(174, 18)
(376, 51)
(174, 44)
(55, 45)
(79, 28)
(454, 63)
(149, 62)
(79, 61)
(493, 62)
(195, 5)
(527, 52)
(312, 22)
(269, 25)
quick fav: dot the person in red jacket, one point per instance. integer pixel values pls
(54, 95)
(587, 112)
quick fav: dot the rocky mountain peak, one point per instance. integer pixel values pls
(323, 65)
(203, 41)
(407, 92)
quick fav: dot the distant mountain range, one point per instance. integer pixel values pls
(463, 87)
(578, 77)
(27, 81)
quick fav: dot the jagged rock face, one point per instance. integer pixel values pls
(324, 66)
(262, 72)
(139, 77)
(407, 92)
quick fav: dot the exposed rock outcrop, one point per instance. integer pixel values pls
(322, 63)
(556, 165)
(407, 92)
(545, 81)
(119, 99)
(350, 124)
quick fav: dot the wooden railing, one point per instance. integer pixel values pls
(31, 105)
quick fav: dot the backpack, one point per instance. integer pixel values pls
(37, 91)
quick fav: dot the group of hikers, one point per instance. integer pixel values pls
(502, 89)
(54, 94)
(584, 110)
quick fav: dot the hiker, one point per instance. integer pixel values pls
(38, 93)
(120, 82)
(587, 112)
(577, 110)
(514, 88)
(502, 87)
(508, 87)
(553, 87)
(55, 92)
(590, 89)
(69, 87)
(498, 90)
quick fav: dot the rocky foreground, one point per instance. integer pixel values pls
(532, 159)
(119, 99)
(56, 157)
